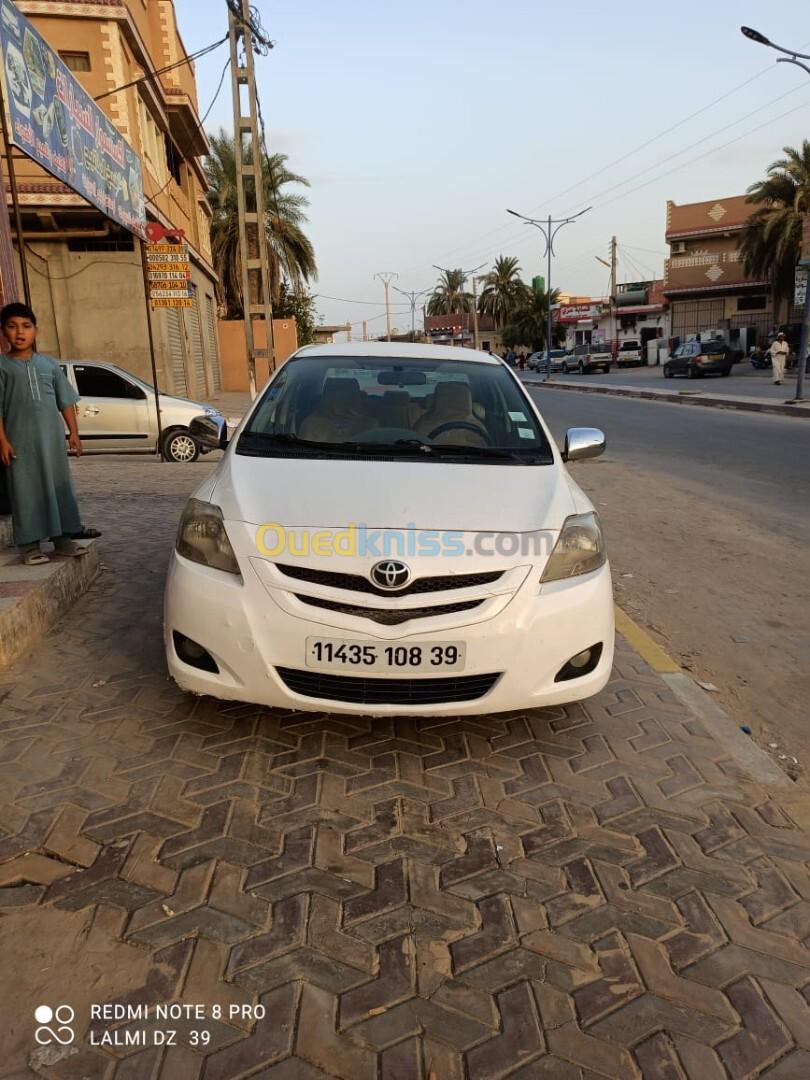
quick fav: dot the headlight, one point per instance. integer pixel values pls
(580, 549)
(202, 537)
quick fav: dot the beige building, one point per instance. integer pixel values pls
(705, 279)
(85, 271)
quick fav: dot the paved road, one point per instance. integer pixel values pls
(708, 514)
(762, 461)
(744, 382)
(596, 892)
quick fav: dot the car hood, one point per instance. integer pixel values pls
(317, 493)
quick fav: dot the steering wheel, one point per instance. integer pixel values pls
(465, 425)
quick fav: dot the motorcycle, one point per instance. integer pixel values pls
(761, 358)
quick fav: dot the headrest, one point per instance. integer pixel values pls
(452, 398)
(340, 394)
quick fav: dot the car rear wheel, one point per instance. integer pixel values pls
(581, 368)
(607, 369)
(565, 368)
(668, 374)
(691, 373)
(726, 371)
(178, 446)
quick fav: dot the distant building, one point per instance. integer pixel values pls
(457, 329)
(705, 279)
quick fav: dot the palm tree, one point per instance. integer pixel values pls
(449, 296)
(771, 240)
(503, 292)
(290, 252)
(529, 321)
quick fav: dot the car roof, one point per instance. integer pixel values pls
(395, 350)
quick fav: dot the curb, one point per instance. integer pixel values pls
(720, 725)
(673, 398)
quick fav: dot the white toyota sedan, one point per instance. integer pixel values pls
(391, 531)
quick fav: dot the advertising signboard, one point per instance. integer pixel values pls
(168, 271)
(52, 119)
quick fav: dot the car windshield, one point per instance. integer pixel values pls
(422, 409)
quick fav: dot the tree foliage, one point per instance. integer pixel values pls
(529, 322)
(290, 252)
(504, 291)
(449, 297)
(771, 239)
(297, 304)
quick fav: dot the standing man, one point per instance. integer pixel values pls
(779, 355)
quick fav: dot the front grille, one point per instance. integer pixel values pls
(358, 583)
(388, 616)
(318, 684)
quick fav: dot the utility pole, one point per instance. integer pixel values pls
(612, 290)
(464, 275)
(476, 338)
(411, 297)
(249, 153)
(549, 229)
(386, 278)
(365, 330)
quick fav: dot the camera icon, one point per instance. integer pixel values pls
(62, 1016)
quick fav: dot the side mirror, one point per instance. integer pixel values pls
(582, 443)
(211, 432)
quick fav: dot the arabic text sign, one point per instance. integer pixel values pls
(55, 121)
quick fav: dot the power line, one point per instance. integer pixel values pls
(162, 71)
(624, 157)
(344, 300)
(254, 25)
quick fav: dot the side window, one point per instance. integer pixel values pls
(101, 382)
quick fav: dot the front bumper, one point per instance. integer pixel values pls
(253, 630)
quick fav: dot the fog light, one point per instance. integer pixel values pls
(583, 663)
(581, 659)
(193, 654)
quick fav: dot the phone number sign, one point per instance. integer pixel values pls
(168, 271)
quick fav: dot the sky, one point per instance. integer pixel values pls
(419, 124)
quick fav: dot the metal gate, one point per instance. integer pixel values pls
(177, 351)
(691, 316)
(213, 350)
(195, 346)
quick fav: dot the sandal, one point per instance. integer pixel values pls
(72, 550)
(35, 558)
(84, 534)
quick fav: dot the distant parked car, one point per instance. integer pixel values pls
(117, 413)
(538, 361)
(588, 357)
(630, 353)
(698, 358)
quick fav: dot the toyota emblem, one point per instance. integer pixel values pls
(390, 574)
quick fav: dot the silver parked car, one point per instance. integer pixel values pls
(117, 413)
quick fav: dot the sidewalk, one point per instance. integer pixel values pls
(602, 890)
(712, 393)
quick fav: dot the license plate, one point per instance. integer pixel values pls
(361, 657)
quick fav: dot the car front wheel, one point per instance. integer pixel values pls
(668, 374)
(178, 446)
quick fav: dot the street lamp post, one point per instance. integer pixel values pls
(795, 58)
(412, 297)
(549, 229)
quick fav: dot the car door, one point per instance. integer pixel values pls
(677, 364)
(113, 413)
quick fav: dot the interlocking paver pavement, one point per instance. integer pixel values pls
(581, 892)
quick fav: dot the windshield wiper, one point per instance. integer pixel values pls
(456, 450)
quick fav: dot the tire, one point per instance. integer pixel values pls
(179, 447)
(607, 369)
(690, 372)
(564, 368)
(668, 372)
(581, 368)
(726, 372)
